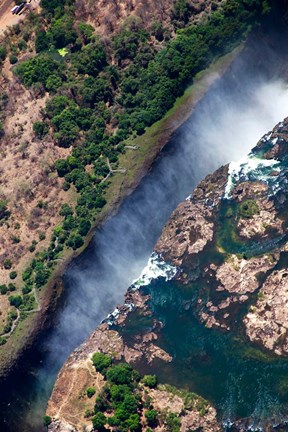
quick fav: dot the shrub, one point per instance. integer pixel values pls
(42, 235)
(26, 290)
(15, 239)
(101, 361)
(248, 208)
(7, 264)
(75, 241)
(13, 59)
(90, 391)
(84, 226)
(22, 45)
(40, 129)
(133, 423)
(172, 423)
(2, 340)
(62, 167)
(11, 287)
(119, 374)
(15, 300)
(3, 53)
(4, 213)
(47, 420)
(32, 248)
(118, 392)
(3, 289)
(99, 421)
(151, 417)
(150, 381)
(37, 70)
(65, 210)
(27, 274)
(13, 274)
(42, 41)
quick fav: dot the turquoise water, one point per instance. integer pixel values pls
(238, 378)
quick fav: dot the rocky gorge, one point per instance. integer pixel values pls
(218, 271)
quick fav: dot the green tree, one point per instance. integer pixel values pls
(133, 423)
(47, 420)
(15, 300)
(7, 264)
(119, 374)
(84, 226)
(172, 422)
(99, 421)
(13, 59)
(40, 129)
(90, 391)
(101, 361)
(150, 380)
(62, 167)
(151, 417)
(75, 241)
(3, 53)
(42, 41)
(13, 274)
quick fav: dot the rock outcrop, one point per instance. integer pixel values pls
(227, 243)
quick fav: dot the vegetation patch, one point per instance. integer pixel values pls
(126, 400)
(248, 208)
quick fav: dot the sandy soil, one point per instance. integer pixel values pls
(7, 19)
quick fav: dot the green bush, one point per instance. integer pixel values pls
(40, 129)
(13, 59)
(99, 421)
(151, 417)
(90, 391)
(101, 361)
(133, 423)
(3, 289)
(42, 235)
(119, 374)
(75, 241)
(13, 274)
(11, 287)
(47, 420)
(26, 290)
(4, 212)
(15, 300)
(7, 264)
(172, 422)
(150, 380)
(37, 70)
(248, 208)
(2, 341)
(3, 53)
(118, 392)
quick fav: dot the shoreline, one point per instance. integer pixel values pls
(149, 147)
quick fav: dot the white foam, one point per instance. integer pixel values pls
(155, 268)
(247, 166)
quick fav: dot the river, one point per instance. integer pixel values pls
(238, 109)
